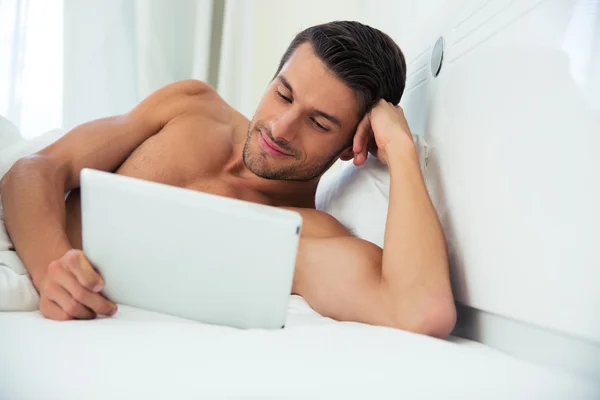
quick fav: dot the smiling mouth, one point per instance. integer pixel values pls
(269, 146)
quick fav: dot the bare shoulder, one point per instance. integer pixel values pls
(186, 87)
(174, 99)
(319, 224)
(196, 89)
(202, 99)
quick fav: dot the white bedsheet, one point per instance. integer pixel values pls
(139, 354)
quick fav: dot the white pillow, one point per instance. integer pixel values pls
(358, 196)
(9, 133)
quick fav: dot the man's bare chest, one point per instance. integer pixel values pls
(177, 155)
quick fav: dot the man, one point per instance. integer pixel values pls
(332, 97)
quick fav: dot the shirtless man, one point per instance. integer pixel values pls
(332, 97)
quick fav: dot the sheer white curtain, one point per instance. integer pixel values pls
(63, 62)
(119, 51)
(31, 64)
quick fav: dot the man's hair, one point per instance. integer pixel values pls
(364, 58)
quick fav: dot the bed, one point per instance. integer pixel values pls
(490, 132)
(140, 354)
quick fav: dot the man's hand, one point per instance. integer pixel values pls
(383, 125)
(70, 290)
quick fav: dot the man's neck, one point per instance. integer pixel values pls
(290, 194)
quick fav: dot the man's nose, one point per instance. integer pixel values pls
(286, 126)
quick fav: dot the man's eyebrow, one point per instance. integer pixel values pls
(320, 113)
(286, 83)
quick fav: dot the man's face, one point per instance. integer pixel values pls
(304, 122)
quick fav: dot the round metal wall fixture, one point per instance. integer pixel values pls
(437, 56)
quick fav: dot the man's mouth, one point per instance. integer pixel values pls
(269, 146)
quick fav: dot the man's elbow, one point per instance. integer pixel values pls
(432, 315)
(34, 165)
(439, 319)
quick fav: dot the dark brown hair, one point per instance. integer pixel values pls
(365, 58)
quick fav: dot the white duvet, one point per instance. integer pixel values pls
(142, 355)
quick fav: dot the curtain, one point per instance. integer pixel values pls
(119, 51)
(31, 64)
(12, 39)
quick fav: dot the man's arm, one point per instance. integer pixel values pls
(406, 285)
(33, 190)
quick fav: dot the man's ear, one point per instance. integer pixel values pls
(347, 154)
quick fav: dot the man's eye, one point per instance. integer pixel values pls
(286, 99)
(318, 125)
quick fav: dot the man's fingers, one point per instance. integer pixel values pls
(67, 303)
(51, 310)
(361, 131)
(361, 157)
(361, 138)
(364, 150)
(76, 262)
(94, 301)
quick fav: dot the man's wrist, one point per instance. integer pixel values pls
(38, 270)
(37, 278)
(400, 152)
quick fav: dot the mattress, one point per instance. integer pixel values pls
(141, 354)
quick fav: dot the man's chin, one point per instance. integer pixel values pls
(259, 164)
(256, 163)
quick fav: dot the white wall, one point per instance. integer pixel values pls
(407, 21)
(512, 123)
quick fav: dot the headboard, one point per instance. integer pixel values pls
(512, 123)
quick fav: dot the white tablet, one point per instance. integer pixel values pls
(187, 253)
